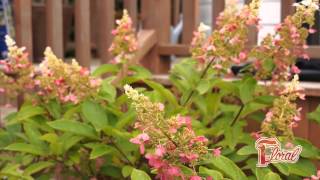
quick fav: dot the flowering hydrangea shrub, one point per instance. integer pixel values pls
(227, 43)
(173, 139)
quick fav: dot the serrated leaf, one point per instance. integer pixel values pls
(95, 114)
(74, 127)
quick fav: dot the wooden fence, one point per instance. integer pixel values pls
(94, 20)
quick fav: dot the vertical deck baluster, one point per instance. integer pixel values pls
(106, 13)
(54, 26)
(82, 32)
(23, 24)
(159, 19)
(132, 7)
(190, 11)
(217, 7)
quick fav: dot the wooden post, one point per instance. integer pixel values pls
(157, 16)
(190, 11)
(54, 26)
(175, 12)
(106, 11)
(23, 24)
(217, 7)
(286, 8)
(132, 7)
(82, 31)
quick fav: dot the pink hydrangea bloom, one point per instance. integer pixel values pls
(188, 157)
(184, 120)
(155, 161)
(295, 69)
(160, 150)
(216, 152)
(141, 139)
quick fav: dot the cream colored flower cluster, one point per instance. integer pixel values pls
(284, 115)
(68, 82)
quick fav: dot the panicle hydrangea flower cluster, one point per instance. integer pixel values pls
(68, 82)
(276, 56)
(227, 43)
(284, 115)
(173, 139)
(18, 70)
(124, 44)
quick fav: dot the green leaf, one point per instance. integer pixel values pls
(216, 175)
(27, 148)
(283, 168)
(95, 114)
(54, 109)
(303, 167)
(246, 89)
(74, 127)
(308, 150)
(126, 171)
(55, 144)
(126, 119)
(141, 72)
(105, 68)
(36, 167)
(163, 91)
(108, 91)
(100, 150)
(69, 140)
(272, 176)
(228, 167)
(33, 135)
(315, 115)
(203, 86)
(137, 174)
(26, 112)
(247, 150)
(261, 172)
